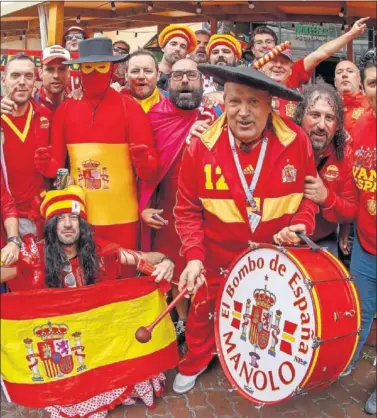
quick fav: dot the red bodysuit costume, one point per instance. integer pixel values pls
(108, 139)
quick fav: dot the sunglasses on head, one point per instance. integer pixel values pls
(69, 279)
(121, 50)
(70, 36)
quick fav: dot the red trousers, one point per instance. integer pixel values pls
(200, 329)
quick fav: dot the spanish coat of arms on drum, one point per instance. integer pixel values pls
(266, 325)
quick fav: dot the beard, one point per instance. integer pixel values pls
(172, 58)
(70, 240)
(200, 57)
(186, 98)
(319, 144)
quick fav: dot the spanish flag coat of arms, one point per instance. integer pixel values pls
(63, 346)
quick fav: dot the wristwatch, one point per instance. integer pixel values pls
(15, 240)
(167, 258)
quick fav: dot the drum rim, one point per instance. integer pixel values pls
(316, 351)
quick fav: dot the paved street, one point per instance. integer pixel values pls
(213, 399)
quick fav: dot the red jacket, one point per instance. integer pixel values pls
(340, 205)
(354, 107)
(25, 181)
(211, 214)
(364, 173)
(8, 209)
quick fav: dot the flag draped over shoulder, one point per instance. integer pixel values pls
(63, 346)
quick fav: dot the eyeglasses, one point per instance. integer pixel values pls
(69, 279)
(191, 75)
(70, 36)
(121, 50)
(269, 42)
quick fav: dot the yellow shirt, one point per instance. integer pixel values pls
(150, 101)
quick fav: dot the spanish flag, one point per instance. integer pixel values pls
(63, 346)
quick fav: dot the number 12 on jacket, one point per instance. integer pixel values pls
(216, 176)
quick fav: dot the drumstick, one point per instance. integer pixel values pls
(271, 54)
(144, 334)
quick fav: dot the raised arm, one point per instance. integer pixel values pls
(332, 47)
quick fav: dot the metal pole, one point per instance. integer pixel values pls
(43, 22)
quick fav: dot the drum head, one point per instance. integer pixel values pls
(265, 324)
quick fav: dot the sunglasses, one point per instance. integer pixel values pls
(191, 75)
(121, 50)
(69, 279)
(70, 36)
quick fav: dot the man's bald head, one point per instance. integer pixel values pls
(185, 64)
(185, 88)
(347, 78)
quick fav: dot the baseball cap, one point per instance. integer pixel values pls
(55, 52)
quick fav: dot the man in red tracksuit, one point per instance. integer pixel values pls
(108, 138)
(25, 126)
(333, 189)
(218, 213)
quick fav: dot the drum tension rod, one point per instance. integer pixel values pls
(317, 342)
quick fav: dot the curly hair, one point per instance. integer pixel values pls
(311, 94)
(54, 256)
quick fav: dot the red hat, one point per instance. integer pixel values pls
(182, 31)
(69, 200)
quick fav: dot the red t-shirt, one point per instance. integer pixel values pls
(364, 173)
(299, 75)
(25, 182)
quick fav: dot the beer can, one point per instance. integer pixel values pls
(61, 178)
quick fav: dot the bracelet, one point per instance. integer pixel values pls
(165, 257)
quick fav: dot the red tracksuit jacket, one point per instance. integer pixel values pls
(211, 213)
(340, 206)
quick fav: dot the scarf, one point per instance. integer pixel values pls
(150, 101)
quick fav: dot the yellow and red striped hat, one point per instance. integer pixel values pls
(69, 200)
(182, 31)
(227, 40)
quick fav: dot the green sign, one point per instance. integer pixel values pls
(312, 32)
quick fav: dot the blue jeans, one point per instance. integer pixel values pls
(363, 268)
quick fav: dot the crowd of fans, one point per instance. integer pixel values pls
(153, 178)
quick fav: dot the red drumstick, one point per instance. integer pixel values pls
(144, 334)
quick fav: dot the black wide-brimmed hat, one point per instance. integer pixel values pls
(249, 77)
(96, 50)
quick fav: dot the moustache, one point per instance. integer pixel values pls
(319, 132)
(221, 59)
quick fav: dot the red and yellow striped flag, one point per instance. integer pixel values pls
(63, 346)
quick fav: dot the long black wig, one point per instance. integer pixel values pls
(55, 258)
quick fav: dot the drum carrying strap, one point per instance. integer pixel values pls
(254, 218)
(322, 163)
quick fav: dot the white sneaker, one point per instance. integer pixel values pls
(183, 384)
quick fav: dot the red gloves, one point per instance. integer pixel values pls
(145, 161)
(44, 163)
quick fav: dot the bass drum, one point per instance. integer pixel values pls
(287, 322)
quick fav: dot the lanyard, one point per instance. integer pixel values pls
(249, 190)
